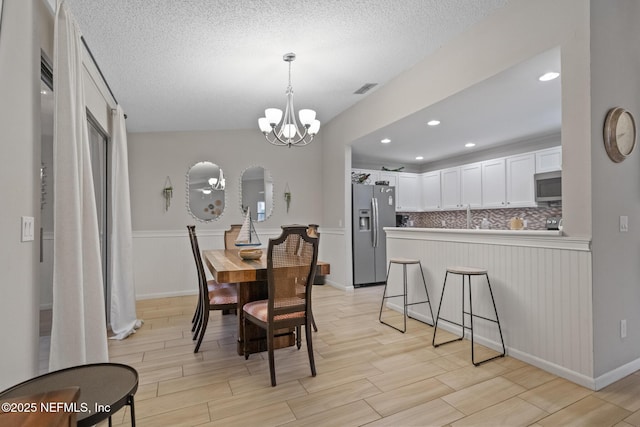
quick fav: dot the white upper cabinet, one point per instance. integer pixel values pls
(450, 187)
(431, 199)
(549, 160)
(471, 185)
(520, 187)
(494, 190)
(392, 177)
(506, 182)
(408, 192)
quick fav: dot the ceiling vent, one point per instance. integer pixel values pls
(365, 88)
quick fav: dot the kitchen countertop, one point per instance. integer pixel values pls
(555, 239)
(550, 233)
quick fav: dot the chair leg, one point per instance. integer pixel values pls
(196, 315)
(198, 325)
(435, 324)
(385, 296)
(427, 293)
(298, 337)
(313, 321)
(244, 341)
(312, 363)
(272, 367)
(203, 326)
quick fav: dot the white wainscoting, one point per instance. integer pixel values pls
(164, 266)
(332, 250)
(542, 288)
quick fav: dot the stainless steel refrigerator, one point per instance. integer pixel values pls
(373, 208)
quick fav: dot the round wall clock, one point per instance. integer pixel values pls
(619, 134)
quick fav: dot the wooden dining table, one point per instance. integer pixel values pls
(226, 266)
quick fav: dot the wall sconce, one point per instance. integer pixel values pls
(167, 192)
(287, 196)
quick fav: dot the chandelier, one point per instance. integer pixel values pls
(279, 130)
(215, 183)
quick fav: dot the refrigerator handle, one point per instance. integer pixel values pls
(374, 210)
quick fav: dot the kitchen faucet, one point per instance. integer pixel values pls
(468, 216)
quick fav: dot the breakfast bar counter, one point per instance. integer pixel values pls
(541, 281)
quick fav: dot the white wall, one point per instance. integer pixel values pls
(19, 189)
(160, 238)
(615, 81)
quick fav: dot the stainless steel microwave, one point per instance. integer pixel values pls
(548, 186)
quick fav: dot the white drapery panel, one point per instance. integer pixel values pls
(123, 299)
(78, 331)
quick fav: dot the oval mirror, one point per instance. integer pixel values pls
(205, 191)
(257, 192)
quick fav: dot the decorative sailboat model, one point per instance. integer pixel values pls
(248, 238)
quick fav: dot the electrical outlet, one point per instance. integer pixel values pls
(623, 328)
(624, 224)
(26, 227)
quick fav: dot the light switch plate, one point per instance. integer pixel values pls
(624, 224)
(27, 225)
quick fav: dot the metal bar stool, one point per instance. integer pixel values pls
(404, 262)
(468, 272)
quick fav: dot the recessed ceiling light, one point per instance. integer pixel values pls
(43, 92)
(419, 158)
(470, 144)
(385, 141)
(548, 76)
(433, 122)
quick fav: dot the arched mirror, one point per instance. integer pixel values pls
(256, 189)
(205, 191)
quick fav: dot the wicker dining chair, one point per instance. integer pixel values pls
(290, 276)
(229, 239)
(212, 296)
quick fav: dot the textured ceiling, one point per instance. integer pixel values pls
(201, 64)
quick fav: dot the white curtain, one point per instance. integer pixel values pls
(78, 332)
(123, 299)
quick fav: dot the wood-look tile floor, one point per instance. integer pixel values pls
(368, 374)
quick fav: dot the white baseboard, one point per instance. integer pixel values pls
(575, 377)
(616, 374)
(560, 371)
(337, 285)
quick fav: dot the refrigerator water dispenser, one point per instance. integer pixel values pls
(364, 220)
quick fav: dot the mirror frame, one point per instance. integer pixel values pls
(273, 192)
(187, 191)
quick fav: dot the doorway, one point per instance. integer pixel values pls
(99, 152)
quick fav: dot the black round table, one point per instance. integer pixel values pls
(104, 389)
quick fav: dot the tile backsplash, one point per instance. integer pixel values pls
(498, 218)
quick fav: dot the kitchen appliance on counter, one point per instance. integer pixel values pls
(548, 186)
(554, 223)
(373, 208)
(402, 220)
